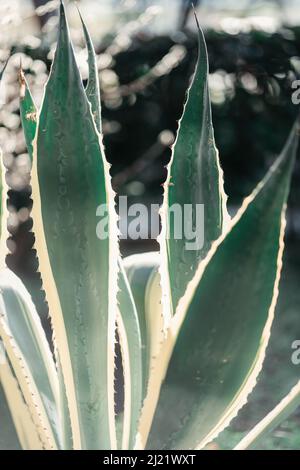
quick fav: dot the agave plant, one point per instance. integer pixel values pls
(193, 326)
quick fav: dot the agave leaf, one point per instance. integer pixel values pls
(224, 322)
(28, 112)
(70, 180)
(127, 319)
(29, 123)
(273, 419)
(142, 272)
(24, 425)
(26, 429)
(65, 420)
(92, 88)
(194, 177)
(29, 354)
(131, 347)
(155, 321)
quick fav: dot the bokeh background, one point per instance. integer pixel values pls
(146, 52)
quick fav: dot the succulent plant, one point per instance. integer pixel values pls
(193, 325)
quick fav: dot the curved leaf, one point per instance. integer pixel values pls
(92, 88)
(70, 180)
(194, 177)
(28, 112)
(127, 320)
(279, 414)
(142, 272)
(20, 413)
(131, 347)
(24, 424)
(29, 354)
(224, 322)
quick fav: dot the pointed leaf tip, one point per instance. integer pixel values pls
(196, 17)
(93, 86)
(197, 178)
(246, 265)
(79, 12)
(69, 161)
(289, 152)
(63, 24)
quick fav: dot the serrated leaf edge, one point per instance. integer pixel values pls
(26, 430)
(271, 419)
(160, 368)
(28, 386)
(48, 283)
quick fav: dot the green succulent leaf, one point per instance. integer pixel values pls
(194, 178)
(273, 419)
(30, 357)
(142, 273)
(66, 426)
(28, 112)
(70, 181)
(127, 320)
(26, 432)
(131, 348)
(224, 321)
